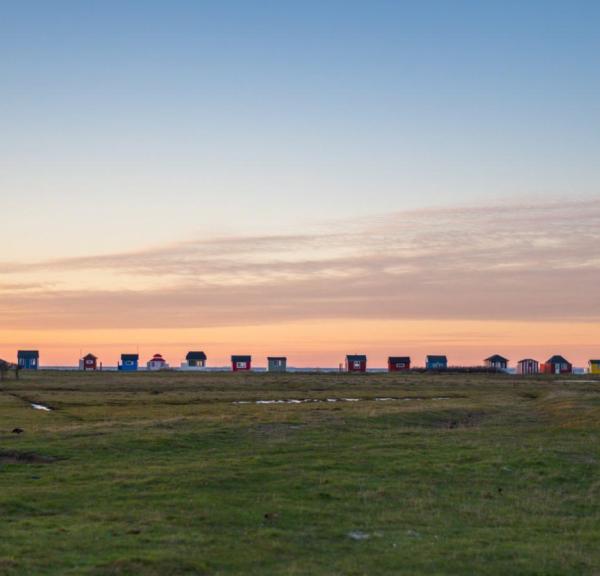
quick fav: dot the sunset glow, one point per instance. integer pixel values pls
(467, 283)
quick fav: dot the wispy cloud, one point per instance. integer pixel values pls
(525, 262)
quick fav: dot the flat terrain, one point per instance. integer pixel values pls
(165, 474)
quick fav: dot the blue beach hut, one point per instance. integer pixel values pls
(129, 362)
(436, 363)
(28, 359)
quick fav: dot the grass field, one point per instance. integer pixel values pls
(163, 474)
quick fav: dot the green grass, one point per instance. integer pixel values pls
(161, 474)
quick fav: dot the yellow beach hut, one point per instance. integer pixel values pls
(594, 366)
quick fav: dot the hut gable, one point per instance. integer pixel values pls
(28, 359)
(557, 365)
(434, 362)
(528, 366)
(88, 362)
(356, 363)
(241, 362)
(277, 363)
(398, 363)
(129, 362)
(195, 360)
(157, 362)
(496, 362)
(594, 366)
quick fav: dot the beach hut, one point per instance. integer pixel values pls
(556, 365)
(496, 362)
(356, 363)
(129, 362)
(157, 362)
(241, 363)
(436, 362)
(528, 366)
(277, 363)
(88, 362)
(194, 360)
(398, 363)
(594, 366)
(28, 359)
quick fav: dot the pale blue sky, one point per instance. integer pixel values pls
(133, 123)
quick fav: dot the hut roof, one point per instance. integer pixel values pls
(195, 356)
(496, 358)
(28, 354)
(242, 358)
(356, 358)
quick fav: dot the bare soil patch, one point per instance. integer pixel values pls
(14, 457)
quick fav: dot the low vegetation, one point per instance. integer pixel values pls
(172, 473)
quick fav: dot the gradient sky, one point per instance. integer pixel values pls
(300, 178)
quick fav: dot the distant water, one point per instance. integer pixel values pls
(576, 370)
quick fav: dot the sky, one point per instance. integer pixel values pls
(306, 179)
